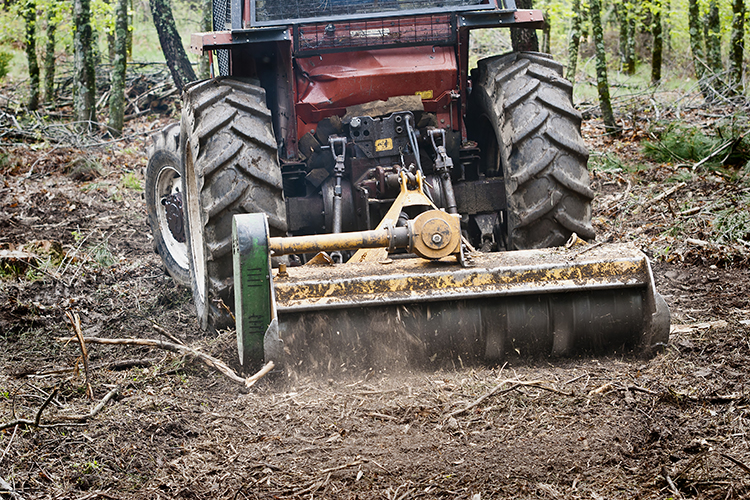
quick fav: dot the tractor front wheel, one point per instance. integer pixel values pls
(231, 167)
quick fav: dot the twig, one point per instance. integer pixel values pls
(497, 390)
(76, 321)
(8, 488)
(670, 483)
(10, 441)
(668, 192)
(119, 364)
(315, 486)
(736, 462)
(182, 349)
(37, 418)
(381, 415)
(79, 418)
(345, 466)
(167, 334)
(96, 409)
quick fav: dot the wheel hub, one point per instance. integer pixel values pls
(173, 211)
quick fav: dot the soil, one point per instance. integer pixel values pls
(671, 426)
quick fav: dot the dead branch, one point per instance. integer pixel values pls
(76, 322)
(498, 389)
(120, 364)
(251, 380)
(77, 418)
(182, 349)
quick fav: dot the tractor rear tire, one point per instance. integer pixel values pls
(529, 133)
(231, 166)
(163, 196)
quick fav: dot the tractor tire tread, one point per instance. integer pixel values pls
(236, 168)
(541, 149)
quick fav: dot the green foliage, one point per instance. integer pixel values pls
(131, 181)
(84, 169)
(610, 162)
(683, 143)
(733, 223)
(102, 255)
(5, 58)
(679, 142)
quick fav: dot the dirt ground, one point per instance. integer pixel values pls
(672, 426)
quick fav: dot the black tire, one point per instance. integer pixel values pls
(163, 195)
(231, 166)
(521, 113)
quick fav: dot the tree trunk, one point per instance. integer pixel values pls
(129, 43)
(595, 14)
(713, 38)
(206, 25)
(29, 15)
(656, 51)
(546, 33)
(119, 68)
(630, 48)
(524, 39)
(171, 44)
(49, 54)
(621, 14)
(736, 52)
(696, 46)
(574, 41)
(84, 72)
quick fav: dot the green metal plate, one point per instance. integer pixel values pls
(252, 285)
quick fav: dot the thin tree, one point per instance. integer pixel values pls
(84, 77)
(621, 14)
(171, 43)
(736, 52)
(696, 46)
(595, 14)
(29, 15)
(119, 69)
(574, 41)
(658, 42)
(630, 43)
(547, 33)
(524, 39)
(206, 25)
(713, 38)
(49, 52)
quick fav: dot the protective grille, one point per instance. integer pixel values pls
(414, 30)
(290, 10)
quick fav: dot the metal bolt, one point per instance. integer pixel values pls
(437, 238)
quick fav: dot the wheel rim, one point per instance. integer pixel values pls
(195, 232)
(169, 215)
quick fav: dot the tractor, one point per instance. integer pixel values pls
(349, 191)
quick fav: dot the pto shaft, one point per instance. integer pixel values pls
(389, 237)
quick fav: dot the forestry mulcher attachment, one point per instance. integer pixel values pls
(354, 196)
